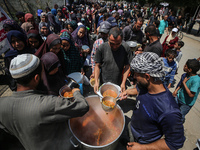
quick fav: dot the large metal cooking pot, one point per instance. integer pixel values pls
(97, 129)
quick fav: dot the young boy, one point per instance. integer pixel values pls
(178, 45)
(171, 64)
(188, 88)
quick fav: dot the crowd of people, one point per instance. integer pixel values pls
(93, 39)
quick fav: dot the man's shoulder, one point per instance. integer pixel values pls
(125, 45)
(156, 45)
(164, 101)
(129, 27)
(103, 45)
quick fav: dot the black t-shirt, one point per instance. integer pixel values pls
(154, 47)
(112, 62)
(152, 19)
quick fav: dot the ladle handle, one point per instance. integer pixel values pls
(99, 94)
(73, 142)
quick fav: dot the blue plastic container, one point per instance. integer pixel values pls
(81, 88)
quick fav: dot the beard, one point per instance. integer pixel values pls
(142, 85)
(147, 37)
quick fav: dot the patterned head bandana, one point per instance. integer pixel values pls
(150, 63)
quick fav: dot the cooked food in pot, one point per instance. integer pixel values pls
(109, 104)
(68, 94)
(110, 93)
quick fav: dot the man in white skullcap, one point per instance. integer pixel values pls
(156, 113)
(39, 121)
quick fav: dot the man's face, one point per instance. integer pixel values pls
(138, 25)
(44, 30)
(165, 18)
(21, 19)
(141, 80)
(115, 43)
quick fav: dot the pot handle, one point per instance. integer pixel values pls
(71, 141)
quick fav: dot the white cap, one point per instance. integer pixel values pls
(79, 24)
(174, 30)
(23, 65)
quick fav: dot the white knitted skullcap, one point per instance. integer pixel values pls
(23, 65)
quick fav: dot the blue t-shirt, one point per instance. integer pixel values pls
(157, 115)
(170, 75)
(194, 86)
(162, 26)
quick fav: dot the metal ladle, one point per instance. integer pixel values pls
(110, 99)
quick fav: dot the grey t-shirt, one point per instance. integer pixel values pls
(154, 47)
(112, 62)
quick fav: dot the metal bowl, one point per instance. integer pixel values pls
(92, 82)
(109, 99)
(64, 89)
(133, 45)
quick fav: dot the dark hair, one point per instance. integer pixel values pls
(47, 9)
(19, 14)
(103, 10)
(26, 79)
(105, 16)
(115, 14)
(193, 64)
(170, 52)
(157, 23)
(180, 43)
(151, 29)
(115, 32)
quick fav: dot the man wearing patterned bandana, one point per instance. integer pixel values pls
(156, 113)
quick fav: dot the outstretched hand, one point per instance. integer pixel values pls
(123, 95)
